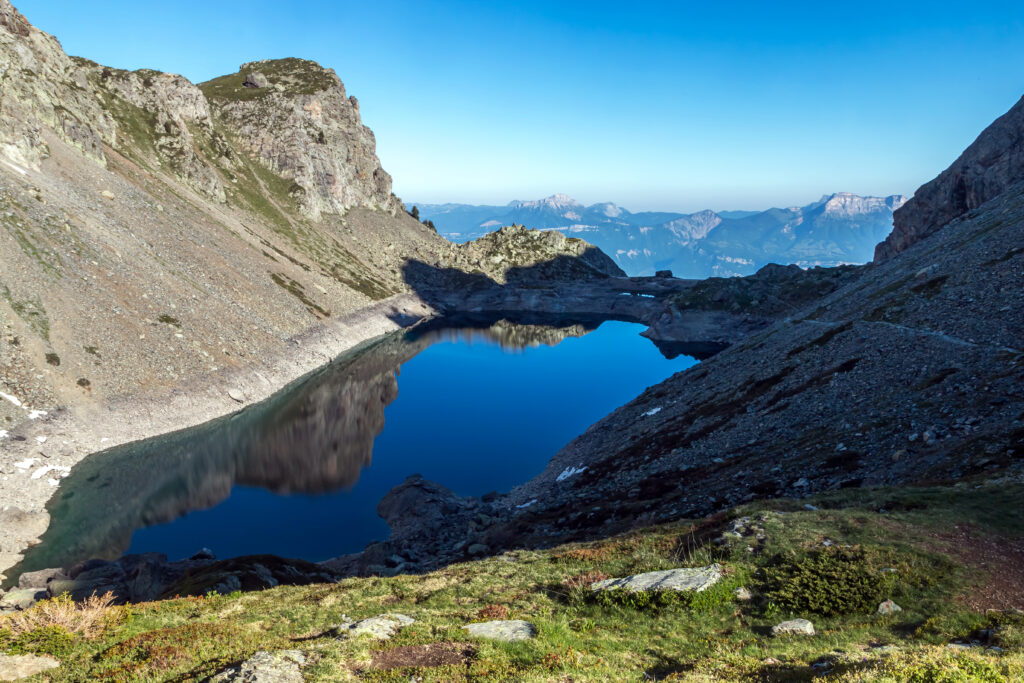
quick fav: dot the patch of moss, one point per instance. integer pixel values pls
(169, 320)
(29, 310)
(298, 291)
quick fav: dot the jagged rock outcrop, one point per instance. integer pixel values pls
(44, 92)
(515, 254)
(993, 163)
(296, 118)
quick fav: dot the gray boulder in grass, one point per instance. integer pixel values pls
(687, 579)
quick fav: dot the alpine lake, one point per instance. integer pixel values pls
(475, 405)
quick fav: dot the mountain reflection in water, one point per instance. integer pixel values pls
(314, 437)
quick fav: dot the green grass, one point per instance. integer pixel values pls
(29, 310)
(710, 636)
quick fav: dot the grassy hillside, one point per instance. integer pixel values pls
(950, 557)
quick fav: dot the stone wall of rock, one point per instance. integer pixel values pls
(988, 167)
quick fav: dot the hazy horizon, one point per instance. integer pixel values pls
(640, 209)
(652, 106)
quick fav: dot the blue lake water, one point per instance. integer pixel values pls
(301, 474)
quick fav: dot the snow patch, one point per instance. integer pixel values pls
(12, 399)
(652, 411)
(526, 505)
(36, 414)
(26, 463)
(570, 472)
(14, 167)
(46, 469)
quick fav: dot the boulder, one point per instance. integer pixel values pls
(888, 607)
(796, 626)
(382, 626)
(691, 579)
(256, 80)
(505, 631)
(743, 594)
(80, 590)
(39, 579)
(15, 667)
(266, 667)
(21, 598)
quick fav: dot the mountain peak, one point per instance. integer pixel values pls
(555, 201)
(845, 204)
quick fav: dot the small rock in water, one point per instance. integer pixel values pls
(505, 631)
(382, 626)
(888, 607)
(693, 579)
(797, 626)
(204, 554)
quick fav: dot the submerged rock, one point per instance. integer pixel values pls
(690, 579)
(505, 631)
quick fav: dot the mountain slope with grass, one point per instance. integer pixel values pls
(949, 557)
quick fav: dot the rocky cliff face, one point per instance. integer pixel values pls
(993, 163)
(153, 231)
(295, 118)
(44, 92)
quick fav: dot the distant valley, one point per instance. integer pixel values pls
(837, 229)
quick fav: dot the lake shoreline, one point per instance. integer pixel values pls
(40, 452)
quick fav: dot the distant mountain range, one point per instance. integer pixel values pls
(836, 229)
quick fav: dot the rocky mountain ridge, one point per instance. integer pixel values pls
(837, 229)
(990, 166)
(900, 373)
(156, 231)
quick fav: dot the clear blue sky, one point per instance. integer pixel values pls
(652, 105)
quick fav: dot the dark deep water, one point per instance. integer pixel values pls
(301, 474)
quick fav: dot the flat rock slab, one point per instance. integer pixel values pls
(21, 598)
(266, 667)
(15, 667)
(506, 631)
(382, 626)
(798, 626)
(692, 579)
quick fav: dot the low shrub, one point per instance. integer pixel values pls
(830, 582)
